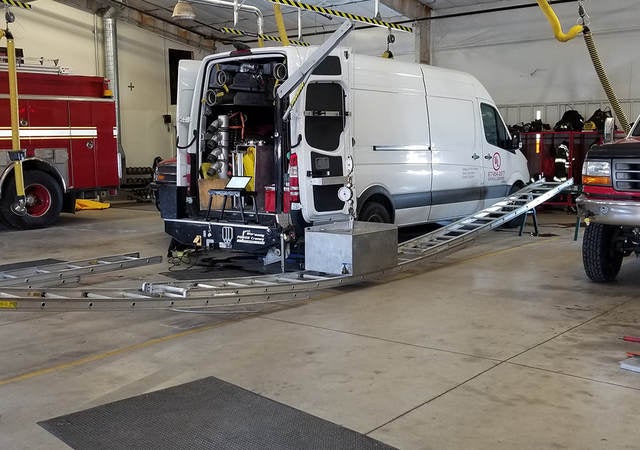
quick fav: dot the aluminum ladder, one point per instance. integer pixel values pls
(62, 272)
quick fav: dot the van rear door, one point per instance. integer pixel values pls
(326, 139)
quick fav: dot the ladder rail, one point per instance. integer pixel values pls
(63, 271)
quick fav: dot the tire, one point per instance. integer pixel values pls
(374, 212)
(600, 257)
(43, 196)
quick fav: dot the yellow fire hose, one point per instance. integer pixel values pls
(16, 154)
(593, 53)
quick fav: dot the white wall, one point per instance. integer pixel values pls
(53, 30)
(515, 55)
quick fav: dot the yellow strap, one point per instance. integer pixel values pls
(555, 23)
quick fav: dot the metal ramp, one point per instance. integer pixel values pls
(467, 229)
(206, 295)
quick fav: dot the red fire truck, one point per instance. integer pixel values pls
(68, 130)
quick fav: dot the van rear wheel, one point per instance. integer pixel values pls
(374, 212)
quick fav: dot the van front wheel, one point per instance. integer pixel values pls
(374, 212)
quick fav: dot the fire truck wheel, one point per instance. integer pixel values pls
(374, 212)
(43, 197)
(601, 256)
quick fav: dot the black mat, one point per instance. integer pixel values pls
(204, 414)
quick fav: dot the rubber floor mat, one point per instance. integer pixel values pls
(204, 414)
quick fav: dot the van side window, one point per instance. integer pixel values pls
(324, 115)
(494, 130)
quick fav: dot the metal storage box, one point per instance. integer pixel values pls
(337, 249)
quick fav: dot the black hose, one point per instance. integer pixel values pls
(604, 80)
(195, 134)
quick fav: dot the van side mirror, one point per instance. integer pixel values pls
(609, 129)
(516, 143)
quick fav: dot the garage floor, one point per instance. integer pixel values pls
(502, 345)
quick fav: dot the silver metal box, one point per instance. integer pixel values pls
(336, 248)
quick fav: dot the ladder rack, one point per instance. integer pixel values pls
(203, 295)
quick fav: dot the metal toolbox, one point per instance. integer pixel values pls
(338, 249)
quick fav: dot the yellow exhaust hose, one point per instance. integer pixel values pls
(555, 23)
(604, 81)
(280, 22)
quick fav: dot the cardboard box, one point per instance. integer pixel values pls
(212, 183)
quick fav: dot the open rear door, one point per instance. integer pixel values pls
(326, 143)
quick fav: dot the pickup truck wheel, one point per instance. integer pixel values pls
(43, 197)
(374, 212)
(601, 258)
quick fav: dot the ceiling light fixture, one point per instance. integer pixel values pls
(183, 11)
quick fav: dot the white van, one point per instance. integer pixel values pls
(422, 144)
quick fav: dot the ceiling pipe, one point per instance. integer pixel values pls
(110, 48)
(235, 6)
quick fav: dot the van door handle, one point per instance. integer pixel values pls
(475, 156)
(488, 157)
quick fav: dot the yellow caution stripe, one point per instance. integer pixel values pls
(16, 4)
(266, 37)
(8, 304)
(333, 12)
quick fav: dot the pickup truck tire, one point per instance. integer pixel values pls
(374, 212)
(43, 196)
(601, 259)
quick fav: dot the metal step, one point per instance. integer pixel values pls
(203, 295)
(64, 271)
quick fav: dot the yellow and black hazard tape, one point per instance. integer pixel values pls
(265, 37)
(232, 31)
(333, 12)
(16, 4)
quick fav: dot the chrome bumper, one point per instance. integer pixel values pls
(610, 212)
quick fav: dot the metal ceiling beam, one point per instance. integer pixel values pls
(413, 9)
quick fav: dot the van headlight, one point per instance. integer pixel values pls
(596, 172)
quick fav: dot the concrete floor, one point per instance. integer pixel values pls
(504, 344)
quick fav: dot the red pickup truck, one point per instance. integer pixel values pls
(610, 202)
